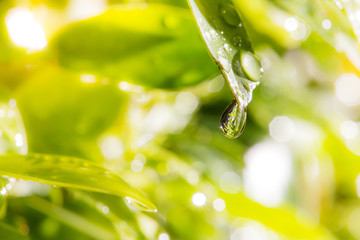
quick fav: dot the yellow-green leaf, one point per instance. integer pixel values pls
(71, 172)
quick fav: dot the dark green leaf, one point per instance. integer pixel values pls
(10, 233)
(152, 45)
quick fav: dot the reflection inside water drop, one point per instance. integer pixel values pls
(233, 120)
(132, 203)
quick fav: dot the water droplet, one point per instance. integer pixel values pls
(237, 41)
(229, 14)
(138, 205)
(105, 209)
(233, 120)
(227, 47)
(211, 35)
(251, 66)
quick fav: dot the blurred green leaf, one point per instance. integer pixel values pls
(10, 233)
(71, 219)
(152, 45)
(71, 172)
(346, 163)
(287, 222)
(3, 183)
(61, 113)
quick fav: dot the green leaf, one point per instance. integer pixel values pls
(12, 140)
(70, 218)
(287, 221)
(3, 183)
(61, 113)
(12, 131)
(71, 172)
(226, 38)
(340, 35)
(152, 45)
(227, 41)
(8, 232)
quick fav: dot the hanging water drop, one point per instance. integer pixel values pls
(131, 202)
(233, 120)
(229, 14)
(233, 53)
(251, 66)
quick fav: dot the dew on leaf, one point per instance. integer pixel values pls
(227, 47)
(138, 205)
(251, 66)
(237, 41)
(228, 43)
(229, 14)
(211, 35)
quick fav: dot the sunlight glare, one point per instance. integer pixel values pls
(281, 129)
(112, 147)
(164, 236)
(347, 89)
(267, 172)
(24, 30)
(199, 199)
(349, 129)
(219, 204)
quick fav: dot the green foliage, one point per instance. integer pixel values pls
(8, 232)
(133, 44)
(111, 131)
(58, 97)
(70, 172)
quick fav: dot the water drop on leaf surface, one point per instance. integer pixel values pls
(138, 205)
(251, 66)
(229, 14)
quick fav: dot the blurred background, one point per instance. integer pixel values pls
(130, 86)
